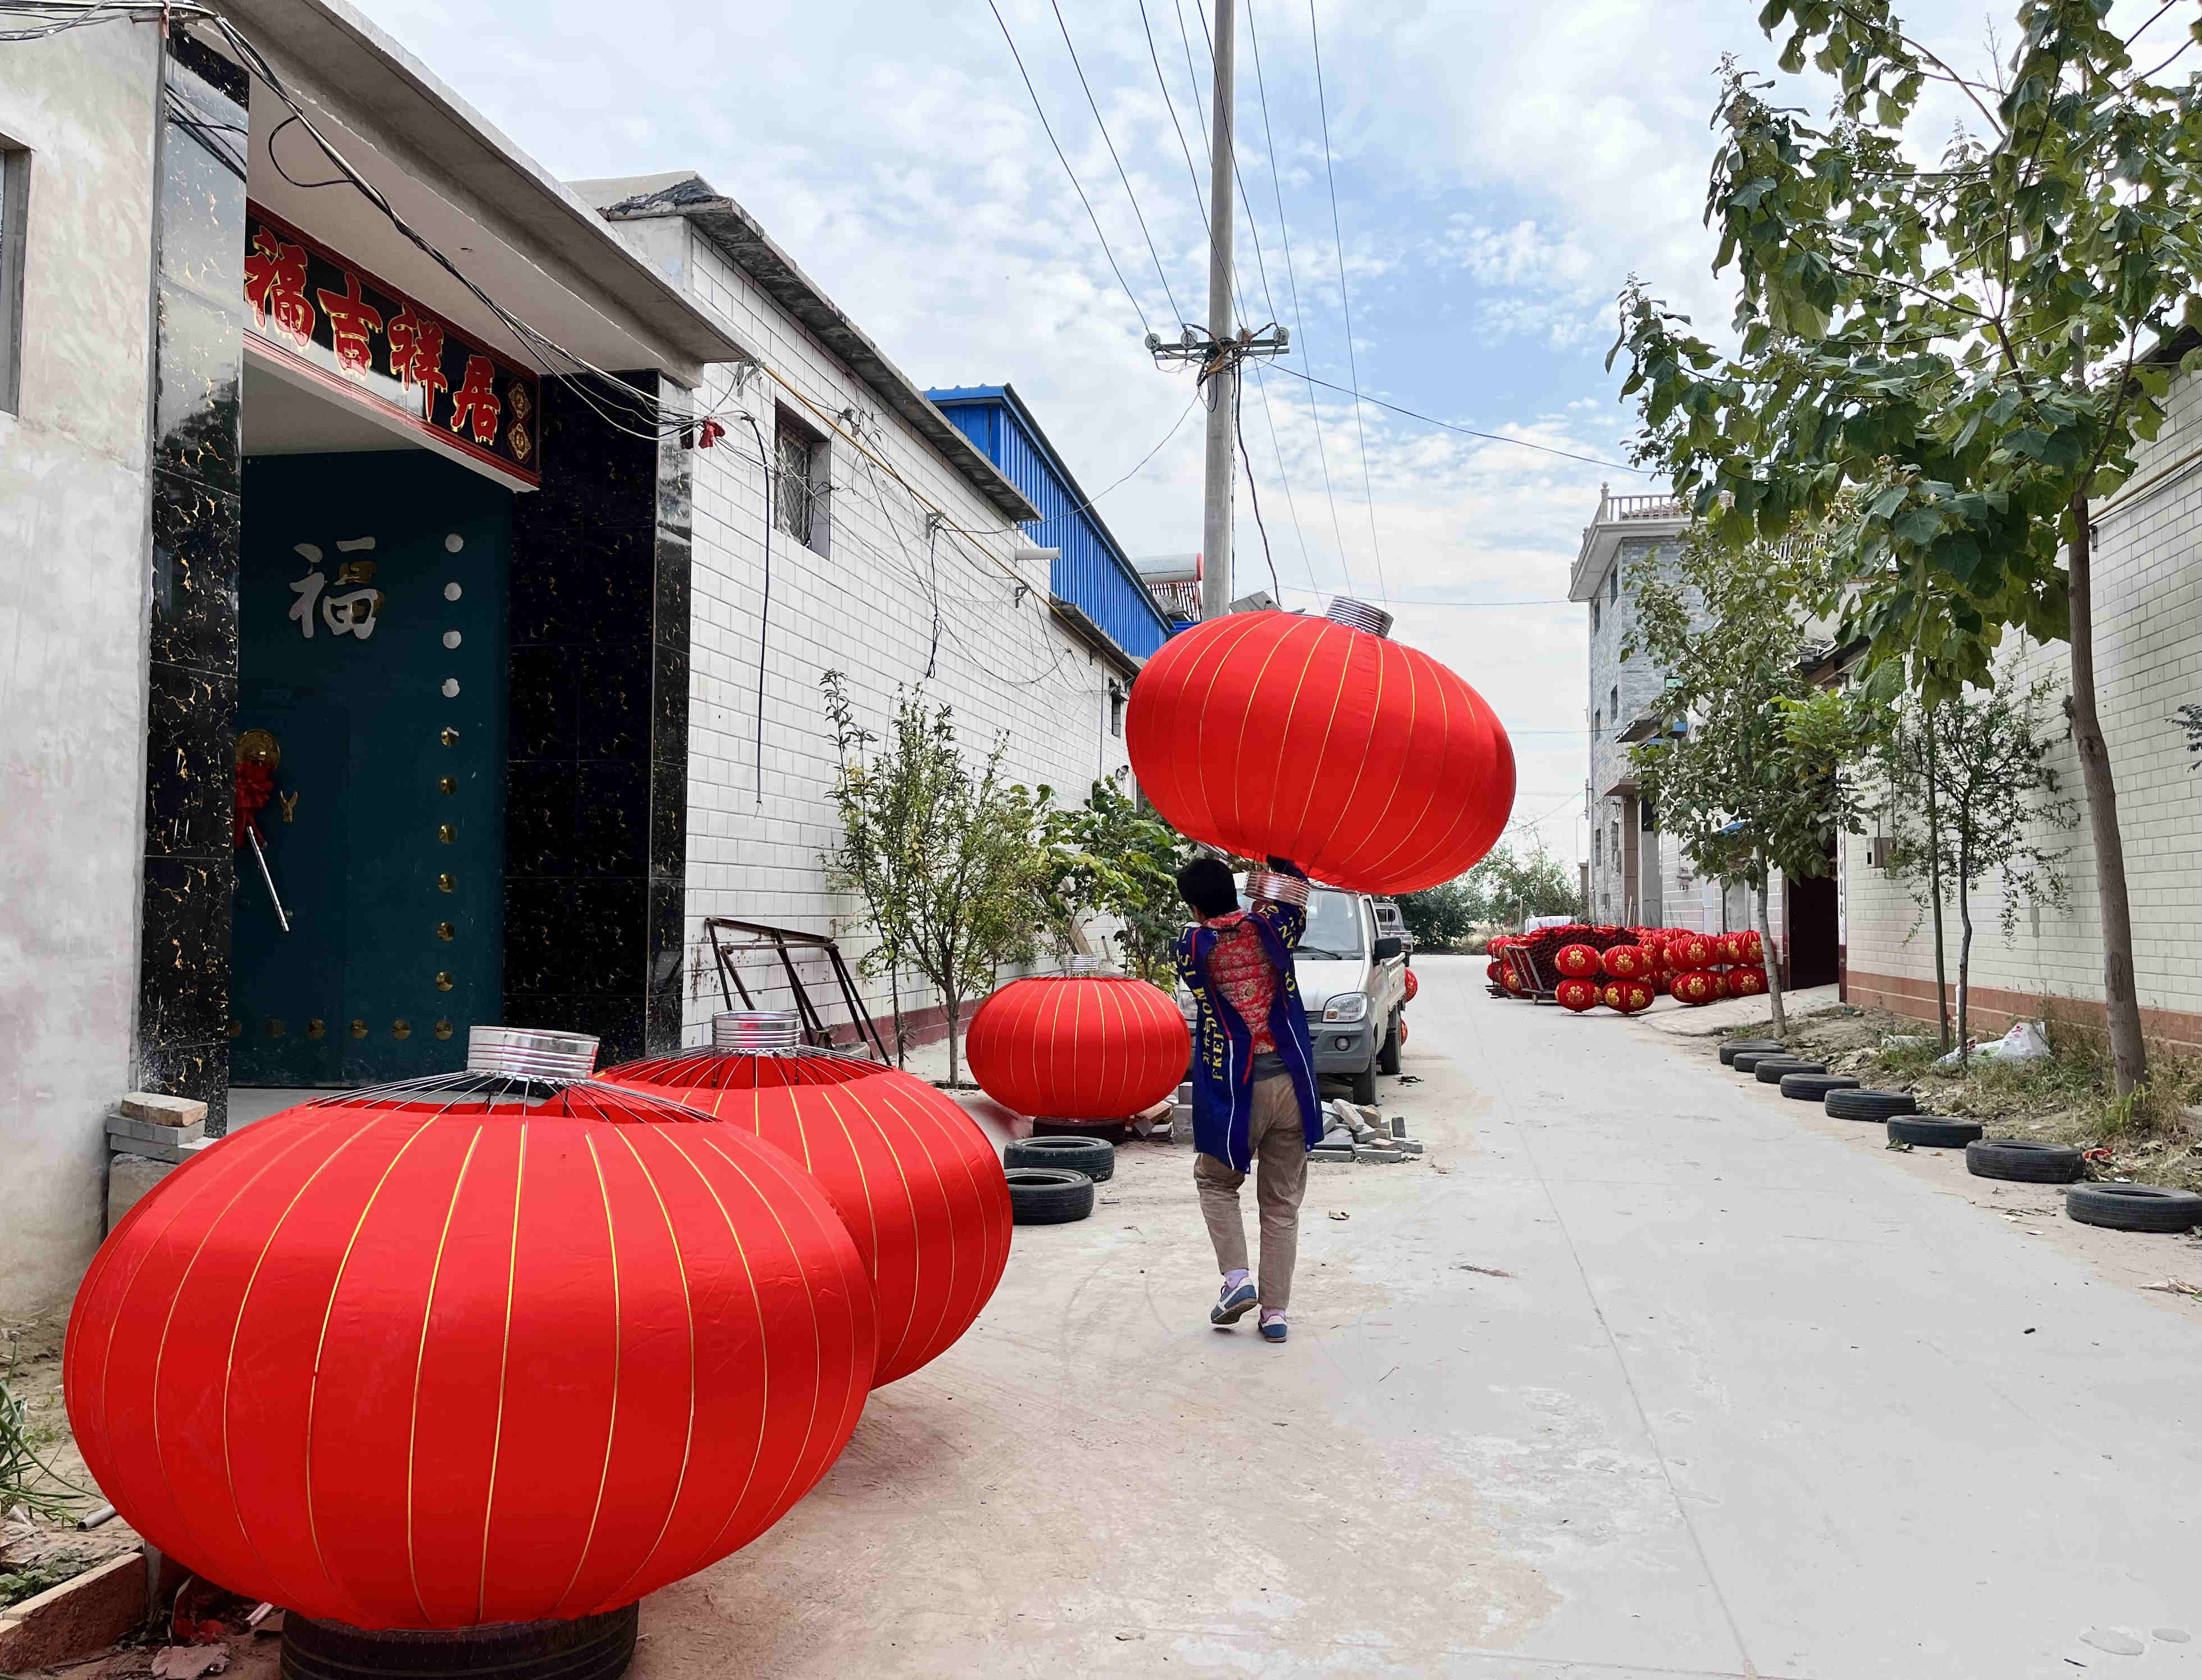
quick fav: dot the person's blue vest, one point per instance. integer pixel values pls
(1223, 1044)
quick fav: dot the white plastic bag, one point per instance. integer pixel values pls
(2025, 1042)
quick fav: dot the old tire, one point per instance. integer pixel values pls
(1048, 1195)
(1735, 1047)
(1870, 1105)
(1387, 1052)
(1814, 1087)
(2023, 1161)
(590, 1647)
(1747, 1062)
(1771, 1070)
(2134, 1206)
(1095, 1157)
(1364, 1085)
(1933, 1131)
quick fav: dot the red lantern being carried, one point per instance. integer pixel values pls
(1627, 962)
(1576, 994)
(1079, 1047)
(506, 1345)
(1366, 762)
(1629, 997)
(1576, 961)
(1747, 982)
(1693, 987)
(913, 1178)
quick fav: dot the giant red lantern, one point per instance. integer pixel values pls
(1368, 763)
(485, 1347)
(1577, 995)
(911, 1175)
(1627, 962)
(1080, 1047)
(1576, 961)
(1693, 987)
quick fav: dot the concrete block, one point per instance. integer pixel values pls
(1365, 1153)
(77, 1620)
(149, 1132)
(128, 1178)
(153, 1150)
(171, 1110)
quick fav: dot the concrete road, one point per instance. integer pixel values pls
(1643, 1371)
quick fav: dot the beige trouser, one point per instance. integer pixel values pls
(1279, 1147)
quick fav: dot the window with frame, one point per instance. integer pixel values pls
(1594, 615)
(1613, 585)
(1116, 698)
(14, 215)
(800, 483)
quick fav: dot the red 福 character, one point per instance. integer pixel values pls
(275, 281)
(476, 401)
(352, 319)
(416, 353)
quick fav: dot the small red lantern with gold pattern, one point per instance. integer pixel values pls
(1749, 981)
(1693, 986)
(1629, 997)
(1749, 947)
(1694, 950)
(1627, 962)
(1576, 961)
(1577, 995)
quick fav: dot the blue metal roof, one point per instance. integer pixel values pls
(1091, 572)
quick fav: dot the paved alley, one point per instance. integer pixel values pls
(1644, 1371)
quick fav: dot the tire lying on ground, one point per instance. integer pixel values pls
(1812, 1087)
(1736, 1047)
(1933, 1131)
(2022, 1161)
(1868, 1105)
(1745, 1061)
(1770, 1069)
(2133, 1207)
(1048, 1195)
(1095, 1157)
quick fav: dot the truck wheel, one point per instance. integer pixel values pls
(1388, 1054)
(1364, 1085)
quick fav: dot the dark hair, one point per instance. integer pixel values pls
(1205, 883)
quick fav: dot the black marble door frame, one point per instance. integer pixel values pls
(597, 798)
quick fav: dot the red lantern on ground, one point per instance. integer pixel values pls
(1577, 961)
(1510, 979)
(1413, 985)
(915, 1180)
(1627, 962)
(506, 1345)
(1490, 970)
(1629, 997)
(1749, 981)
(1577, 995)
(1720, 982)
(1368, 763)
(1079, 1047)
(1693, 987)
(1694, 950)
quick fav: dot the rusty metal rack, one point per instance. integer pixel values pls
(1518, 963)
(786, 942)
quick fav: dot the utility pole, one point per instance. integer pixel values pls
(1225, 347)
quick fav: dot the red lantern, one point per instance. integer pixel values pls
(911, 1175)
(1747, 982)
(485, 1347)
(1510, 979)
(1629, 997)
(1576, 994)
(1578, 962)
(1694, 950)
(1079, 1047)
(1749, 947)
(1490, 970)
(1720, 983)
(1627, 962)
(1368, 763)
(1413, 985)
(1693, 987)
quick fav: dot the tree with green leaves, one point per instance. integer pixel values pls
(1753, 784)
(1975, 348)
(1442, 916)
(1970, 797)
(1516, 885)
(1110, 857)
(945, 858)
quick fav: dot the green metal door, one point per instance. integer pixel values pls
(372, 651)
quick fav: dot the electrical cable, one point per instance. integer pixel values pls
(1238, 426)
(1041, 111)
(1465, 431)
(1092, 105)
(1346, 300)
(764, 607)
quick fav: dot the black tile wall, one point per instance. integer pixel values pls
(596, 828)
(183, 976)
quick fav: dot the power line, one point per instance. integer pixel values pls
(1095, 107)
(1041, 111)
(1346, 300)
(1465, 431)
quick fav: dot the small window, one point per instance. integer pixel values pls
(800, 482)
(1594, 615)
(1598, 723)
(1613, 585)
(1613, 704)
(1115, 707)
(15, 216)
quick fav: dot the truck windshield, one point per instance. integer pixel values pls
(1333, 924)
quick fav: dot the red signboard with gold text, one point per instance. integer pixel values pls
(346, 328)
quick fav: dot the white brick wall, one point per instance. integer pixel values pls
(1003, 664)
(2148, 661)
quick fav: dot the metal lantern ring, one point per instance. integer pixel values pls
(1368, 763)
(501, 1346)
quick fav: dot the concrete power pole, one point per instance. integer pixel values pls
(1222, 391)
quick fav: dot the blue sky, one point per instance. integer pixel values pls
(1500, 170)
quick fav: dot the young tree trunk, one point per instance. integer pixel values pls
(1964, 959)
(955, 1002)
(1773, 957)
(2128, 1051)
(894, 1000)
(1935, 879)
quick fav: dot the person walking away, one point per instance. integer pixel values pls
(1254, 1106)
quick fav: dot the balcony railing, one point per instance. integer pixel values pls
(1610, 508)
